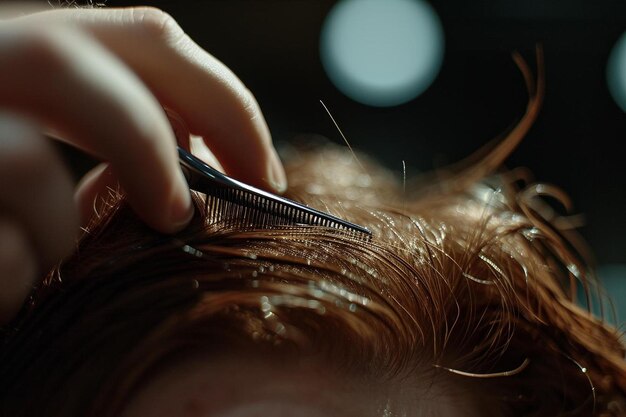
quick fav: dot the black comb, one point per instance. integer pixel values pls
(252, 206)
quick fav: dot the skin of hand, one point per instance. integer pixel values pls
(100, 80)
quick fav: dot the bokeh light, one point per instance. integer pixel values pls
(613, 282)
(382, 53)
(616, 72)
(613, 278)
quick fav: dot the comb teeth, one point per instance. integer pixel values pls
(243, 205)
(236, 207)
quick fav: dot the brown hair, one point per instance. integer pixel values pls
(470, 273)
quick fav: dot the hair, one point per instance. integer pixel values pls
(470, 272)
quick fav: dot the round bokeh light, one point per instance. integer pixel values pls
(616, 72)
(382, 52)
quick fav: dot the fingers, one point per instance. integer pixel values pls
(36, 189)
(106, 97)
(101, 180)
(71, 83)
(97, 183)
(38, 220)
(210, 98)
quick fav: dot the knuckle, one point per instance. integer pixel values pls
(156, 23)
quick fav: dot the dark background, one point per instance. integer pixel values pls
(273, 47)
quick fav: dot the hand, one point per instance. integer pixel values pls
(100, 78)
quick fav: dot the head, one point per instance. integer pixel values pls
(462, 304)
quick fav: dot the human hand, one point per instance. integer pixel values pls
(99, 79)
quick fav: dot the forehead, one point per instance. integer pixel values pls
(249, 386)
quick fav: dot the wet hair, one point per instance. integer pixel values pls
(470, 273)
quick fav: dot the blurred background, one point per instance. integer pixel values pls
(430, 82)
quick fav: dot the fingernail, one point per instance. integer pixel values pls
(182, 210)
(277, 177)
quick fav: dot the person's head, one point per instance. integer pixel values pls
(462, 304)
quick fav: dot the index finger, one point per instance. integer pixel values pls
(68, 81)
(214, 103)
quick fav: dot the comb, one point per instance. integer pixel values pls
(252, 206)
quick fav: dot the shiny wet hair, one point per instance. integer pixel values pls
(469, 273)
